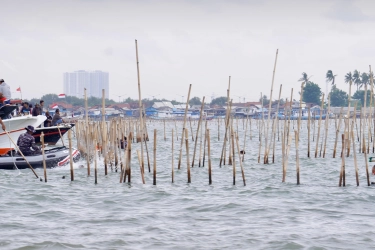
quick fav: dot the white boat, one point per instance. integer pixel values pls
(15, 127)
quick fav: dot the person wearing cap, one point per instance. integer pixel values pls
(56, 119)
(5, 89)
(26, 142)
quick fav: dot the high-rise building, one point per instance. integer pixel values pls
(94, 81)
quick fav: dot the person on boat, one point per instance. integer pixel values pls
(56, 119)
(25, 109)
(26, 142)
(48, 121)
(41, 106)
(36, 110)
(5, 89)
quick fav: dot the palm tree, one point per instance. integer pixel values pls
(330, 77)
(349, 78)
(365, 79)
(357, 78)
(304, 78)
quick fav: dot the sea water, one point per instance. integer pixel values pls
(264, 214)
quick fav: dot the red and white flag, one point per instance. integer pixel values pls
(55, 107)
(62, 96)
(18, 89)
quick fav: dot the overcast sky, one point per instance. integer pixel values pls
(184, 42)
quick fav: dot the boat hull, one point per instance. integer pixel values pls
(56, 157)
(51, 134)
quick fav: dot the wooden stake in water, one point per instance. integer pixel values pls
(139, 102)
(326, 126)
(196, 136)
(95, 162)
(342, 172)
(172, 158)
(209, 158)
(354, 155)
(337, 133)
(44, 157)
(269, 113)
(297, 155)
(240, 160)
(187, 155)
(204, 144)
(365, 152)
(183, 129)
(234, 159)
(154, 180)
(70, 155)
(104, 132)
(320, 123)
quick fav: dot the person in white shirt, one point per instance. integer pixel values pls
(5, 89)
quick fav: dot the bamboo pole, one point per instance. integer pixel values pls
(365, 152)
(95, 163)
(44, 157)
(172, 158)
(265, 160)
(139, 102)
(104, 134)
(240, 160)
(196, 136)
(326, 126)
(200, 148)
(320, 122)
(234, 160)
(187, 155)
(354, 155)
(140, 167)
(296, 134)
(191, 129)
(227, 115)
(183, 129)
(342, 172)
(204, 144)
(154, 179)
(70, 155)
(209, 157)
(308, 132)
(337, 133)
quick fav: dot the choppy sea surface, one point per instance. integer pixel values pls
(264, 214)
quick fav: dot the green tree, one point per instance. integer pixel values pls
(339, 98)
(360, 95)
(195, 101)
(311, 93)
(357, 78)
(221, 101)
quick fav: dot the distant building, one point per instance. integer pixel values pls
(94, 81)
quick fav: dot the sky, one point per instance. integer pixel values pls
(184, 42)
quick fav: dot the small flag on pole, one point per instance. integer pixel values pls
(62, 96)
(18, 89)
